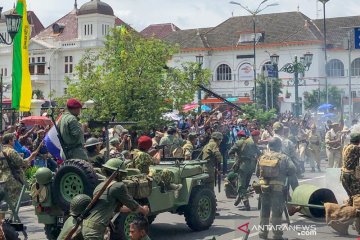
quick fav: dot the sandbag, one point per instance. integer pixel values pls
(339, 217)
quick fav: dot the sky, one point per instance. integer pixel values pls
(187, 13)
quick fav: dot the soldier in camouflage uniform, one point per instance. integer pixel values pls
(72, 132)
(212, 155)
(351, 156)
(288, 149)
(230, 185)
(92, 146)
(247, 153)
(164, 179)
(188, 148)
(110, 201)
(273, 169)
(12, 167)
(314, 148)
(171, 141)
(141, 159)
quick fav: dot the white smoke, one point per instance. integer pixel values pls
(355, 128)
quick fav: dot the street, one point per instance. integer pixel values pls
(226, 225)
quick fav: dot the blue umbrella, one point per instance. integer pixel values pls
(325, 106)
(205, 108)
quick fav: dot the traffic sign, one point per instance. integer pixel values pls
(357, 38)
(271, 71)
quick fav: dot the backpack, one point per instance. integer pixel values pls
(269, 166)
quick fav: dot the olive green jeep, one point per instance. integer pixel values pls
(52, 194)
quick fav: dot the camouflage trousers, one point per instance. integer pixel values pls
(350, 184)
(12, 190)
(163, 178)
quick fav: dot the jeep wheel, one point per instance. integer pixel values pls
(122, 225)
(9, 232)
(74, 177)
(200, 212)
(52, 231)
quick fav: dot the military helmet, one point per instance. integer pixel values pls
(43, 175)
(355, 137)
(91, 142)
(78, 204)
(275, 144)
(114, 163)
(114, 140)
(278, 126)
(232, 176)
(217, 136)
(192, 136)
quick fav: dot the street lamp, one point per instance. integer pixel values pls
(13, 21)
(325, 48)
(295, 67)
(254, 14)
(200, 61)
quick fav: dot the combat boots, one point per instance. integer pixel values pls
(238, 200)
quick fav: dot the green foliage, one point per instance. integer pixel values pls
(312, 99)
(129, 76)
(261, 91)
(30, 174)
(263, 117)
(39, 93)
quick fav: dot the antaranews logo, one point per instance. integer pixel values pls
(302, 230)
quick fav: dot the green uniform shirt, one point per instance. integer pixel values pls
(68, 226)
(145, 238)
(73, 136)
(246, 152)
(212, 155)
(96, 159)
(117, 194)
(171, 142)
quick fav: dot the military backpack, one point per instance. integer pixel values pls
(269, 166)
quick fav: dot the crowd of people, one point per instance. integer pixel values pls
(277, 152)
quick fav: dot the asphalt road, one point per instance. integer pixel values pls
(170, 226)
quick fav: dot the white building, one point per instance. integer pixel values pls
(54, 52)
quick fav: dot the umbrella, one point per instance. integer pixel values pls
(172, 116)
(36, 120)
(205, 108)
(189, 107)
(325, 106)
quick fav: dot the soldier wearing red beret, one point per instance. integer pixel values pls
(72, 132)
(141, 158)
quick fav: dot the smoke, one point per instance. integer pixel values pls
(355, 128)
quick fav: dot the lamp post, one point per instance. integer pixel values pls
(254, 13)
(325, 48)
(200, 61)
(13, 21)
(297, 67)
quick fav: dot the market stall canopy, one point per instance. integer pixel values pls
(325, 106)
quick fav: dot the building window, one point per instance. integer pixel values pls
(85, 30)
(223, 72)
(355, 67)
(335, 68)
(3, 72)
(68, 64)
(37, 65)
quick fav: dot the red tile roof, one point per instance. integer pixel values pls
(119, 22)
(36, 25)
(159, 30)
(70, 32)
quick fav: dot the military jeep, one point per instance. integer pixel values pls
(52, 196)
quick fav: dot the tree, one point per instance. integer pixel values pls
(129, 76)
(312, 101)
(261, 91)
(39, 94)
(254, 112)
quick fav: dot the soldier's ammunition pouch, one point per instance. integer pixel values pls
(139, 186)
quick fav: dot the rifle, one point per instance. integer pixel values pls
(106, 124)
(61, 140)
(92, 203)
(286, 195)
(218, 171)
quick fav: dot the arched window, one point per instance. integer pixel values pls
(223, 72)
(355, 67)
(335, 68)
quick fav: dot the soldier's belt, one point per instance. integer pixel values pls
(271, 182)
(347, 171)
(94, 225)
